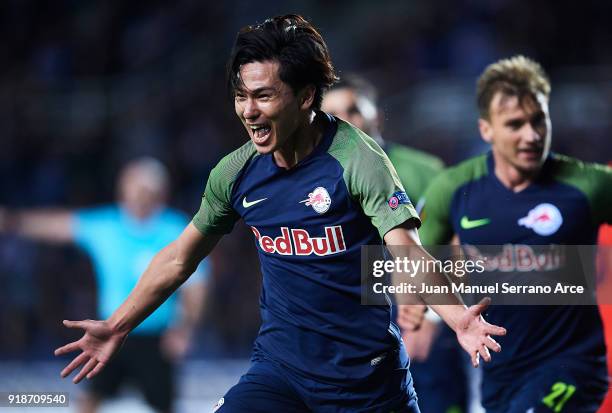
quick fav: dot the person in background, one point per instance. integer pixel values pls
(355, 100)
(120, 240)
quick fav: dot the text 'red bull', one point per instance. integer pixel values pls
(298, 241)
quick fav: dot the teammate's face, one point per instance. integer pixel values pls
(268, 108)
(519, 131)
(344, 104)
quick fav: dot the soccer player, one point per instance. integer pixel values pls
(355, 100)
(313, 189)
(520, 193)
(436, 359)
(120, 240)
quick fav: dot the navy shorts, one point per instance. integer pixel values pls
(561, 386)
(268, 387)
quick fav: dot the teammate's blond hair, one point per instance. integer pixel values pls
(517, 76)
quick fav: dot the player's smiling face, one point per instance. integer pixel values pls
(519, 132)
(268, 107)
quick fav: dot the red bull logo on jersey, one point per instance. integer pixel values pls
(545, 219)
(297, 241)
(318, 199)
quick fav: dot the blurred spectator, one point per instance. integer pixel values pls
(121, 239)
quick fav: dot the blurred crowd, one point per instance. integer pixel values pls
(87, 85)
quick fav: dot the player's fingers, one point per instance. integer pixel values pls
(85, 370)
(475, 359)
(492, 344)
(74, 324)
(68, 348)
(482, 305)
(484, 352)
(494, 330)
(78, 360)
(96, 370)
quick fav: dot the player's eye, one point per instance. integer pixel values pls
(515, 124)
(239, 97)
(264, 97)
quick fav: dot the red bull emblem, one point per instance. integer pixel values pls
(544, 219)
(297, 241)
(318, 199)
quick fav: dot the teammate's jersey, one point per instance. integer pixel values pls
(565, 205)
(309, 223)
(416, 169)
(120, 248)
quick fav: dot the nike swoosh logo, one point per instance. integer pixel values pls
(466, 223)
(247, 204)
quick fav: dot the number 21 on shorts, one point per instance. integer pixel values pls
(558, 396)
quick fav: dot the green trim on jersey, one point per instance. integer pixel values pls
(593, 180)
(437, 200)
(416, 169)
(216, 215)
(370, 178)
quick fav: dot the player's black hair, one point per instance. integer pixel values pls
(295, 44)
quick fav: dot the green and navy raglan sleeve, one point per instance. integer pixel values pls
(437, 228)
(216, 214)
(372, 180)
(593, 180)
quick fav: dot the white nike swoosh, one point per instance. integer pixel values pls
(247, 204)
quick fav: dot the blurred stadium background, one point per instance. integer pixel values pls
(88, 85)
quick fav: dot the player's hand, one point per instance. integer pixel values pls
(474, 333)
(98, 345)
(418, 343)
(410, 317)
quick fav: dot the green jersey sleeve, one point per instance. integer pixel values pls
(371, 179)
(416, 169)
(216, 214)
(435, 212)
(594, 180)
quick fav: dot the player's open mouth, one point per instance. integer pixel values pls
(260, 132)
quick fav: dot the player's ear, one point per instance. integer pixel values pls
(306, 97)
(486, 131)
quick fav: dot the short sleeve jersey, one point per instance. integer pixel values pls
(309, 223)
(120, 248)
(564, 206)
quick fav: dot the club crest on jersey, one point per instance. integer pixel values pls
(318, 199)
(298, 241)
(400, 197)
(545, 219)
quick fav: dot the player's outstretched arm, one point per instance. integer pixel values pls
(51, 225)
(167, 271)
(473, 332)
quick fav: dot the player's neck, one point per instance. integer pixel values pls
(301, 144)
(513, 178)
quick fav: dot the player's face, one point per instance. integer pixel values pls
(519, 132)
(268, 108)
(347, 105)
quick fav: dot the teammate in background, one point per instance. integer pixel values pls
(355, 100)
(121, 239)
(313, 189)
(554, 358)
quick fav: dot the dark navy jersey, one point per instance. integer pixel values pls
(309, 223)
(564, 205)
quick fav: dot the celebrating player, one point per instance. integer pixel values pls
(554, 359)
(313, 189)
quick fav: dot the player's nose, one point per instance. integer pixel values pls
(532, 134)
(250, 110)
